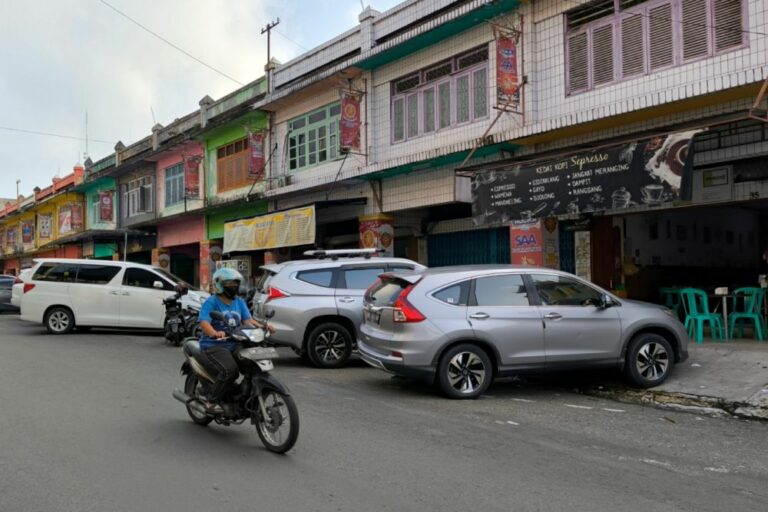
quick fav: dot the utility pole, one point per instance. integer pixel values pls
(268, 30)
(17, 191)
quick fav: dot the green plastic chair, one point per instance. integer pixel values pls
(753, 300)
(670, 297)
(697, 314)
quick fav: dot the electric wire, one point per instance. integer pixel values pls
(48, 134)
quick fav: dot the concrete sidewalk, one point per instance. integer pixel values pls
(719, 378)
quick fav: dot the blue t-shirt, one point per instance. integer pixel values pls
(237, 312)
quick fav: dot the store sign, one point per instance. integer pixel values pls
(527, 244)
(106, 206)
(192, 177)
(70, 218)
(283, 229)
(257, 156)
(378, 232)
(242, 265)
(350, 121)
(10, 238)
(648, 172)
(507, 78)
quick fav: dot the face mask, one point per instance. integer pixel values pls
(231, 291)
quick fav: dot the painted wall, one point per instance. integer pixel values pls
(185, 230)
(169, 160)
(93, 208)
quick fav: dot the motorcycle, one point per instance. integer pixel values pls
(177, 326)
(257, 396)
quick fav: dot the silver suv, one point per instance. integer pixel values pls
(460, 327)
(318, 303)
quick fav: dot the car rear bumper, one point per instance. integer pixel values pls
(393, 364)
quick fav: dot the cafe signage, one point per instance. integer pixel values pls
(647, 172)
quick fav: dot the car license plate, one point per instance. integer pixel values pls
(373, 316)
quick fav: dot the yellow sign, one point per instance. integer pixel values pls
(283, 229)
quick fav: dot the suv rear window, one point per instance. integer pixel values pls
(386, 291)
(316, 277)
(455, 295)
(57, 272)
(96, 274)
(360, 278)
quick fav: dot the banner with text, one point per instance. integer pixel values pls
(257, 161)
(192, 177)
(282, 229)
(507, 78)
(647, 172)
(45, 226)
(350, 121)
(105, 206)
(28, 233)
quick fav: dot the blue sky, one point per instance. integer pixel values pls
(68, 57)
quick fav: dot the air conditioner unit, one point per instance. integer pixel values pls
(283, 181)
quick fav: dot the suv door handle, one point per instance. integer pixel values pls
(113, 292)
(553, 316)
(347, 299)
(480, 316)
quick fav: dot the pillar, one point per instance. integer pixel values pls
(378, 232)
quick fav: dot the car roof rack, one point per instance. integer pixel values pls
(335, 254)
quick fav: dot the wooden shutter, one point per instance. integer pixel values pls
(661, 36)
(632, 46)
(578, 67)
(728, 24)
(695, 30)
(602, 55)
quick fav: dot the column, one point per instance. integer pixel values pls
(210, 254)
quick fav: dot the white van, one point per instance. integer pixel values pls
(66, 293)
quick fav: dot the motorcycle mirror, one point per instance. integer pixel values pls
(181, 289)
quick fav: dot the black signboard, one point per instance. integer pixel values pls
(650, 172)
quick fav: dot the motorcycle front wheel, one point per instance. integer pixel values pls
(192, 389)
(280, 429)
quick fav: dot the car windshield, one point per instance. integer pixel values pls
(174, 279)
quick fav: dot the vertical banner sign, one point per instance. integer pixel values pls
(10, 238)
(527, 244)
(377, 232)
(192, 177)
(257, 163)
(2, 241)
(350, 121)
(65, 220)
(45, 225)
(507, 78)
(77, 216)
(105, 206)
(28, 232)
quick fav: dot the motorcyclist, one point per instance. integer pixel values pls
(218, 351)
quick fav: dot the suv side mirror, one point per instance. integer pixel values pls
(606, 301)
(157, 285)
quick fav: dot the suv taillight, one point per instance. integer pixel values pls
(28, 287)
(276, 293)
(403, 311)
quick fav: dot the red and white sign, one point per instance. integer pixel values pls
(257, 164)
(105, 206)
(192, 177)
(507, 77)
(350, 121)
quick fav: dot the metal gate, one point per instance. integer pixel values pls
(469, 248)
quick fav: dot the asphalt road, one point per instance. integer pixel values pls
(87, 423)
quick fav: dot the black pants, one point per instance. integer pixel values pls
(223, 363)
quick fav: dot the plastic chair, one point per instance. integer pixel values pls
(753, 299)
(670, 297)
(697, 314)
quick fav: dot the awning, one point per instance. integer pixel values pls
(649, 172)
(280, 229)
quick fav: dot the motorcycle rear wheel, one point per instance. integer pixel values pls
(280, 430)
(192, 389)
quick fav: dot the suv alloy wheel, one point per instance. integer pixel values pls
(329, 345)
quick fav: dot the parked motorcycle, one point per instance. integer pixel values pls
(179, 321)
(258, 396)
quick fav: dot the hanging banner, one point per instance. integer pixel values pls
(105, 206)
(283, 229)
(350, 121)
(65, 220)
(28, 232)
(507, 77)
(192, 177)
(257, 163)
(10, 238)
(526, 244)
(648, 172)
(2, 241)
(377, 232)
(45, 226)
(77, 217)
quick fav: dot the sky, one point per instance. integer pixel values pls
(65, 60)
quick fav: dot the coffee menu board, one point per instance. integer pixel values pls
(646, 172)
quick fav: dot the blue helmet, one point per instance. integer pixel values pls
(225, 274)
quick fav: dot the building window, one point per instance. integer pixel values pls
(232, 166)
(313, 138)
(137, 197)
(174, 185)
(443, 95)
(613, 40)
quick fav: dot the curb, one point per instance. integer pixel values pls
(683, 402)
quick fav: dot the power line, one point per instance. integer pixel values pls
(169, 43)
(47, 134)
(290, 40)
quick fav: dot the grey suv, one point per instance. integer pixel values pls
(459, 327)
(318, 303)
